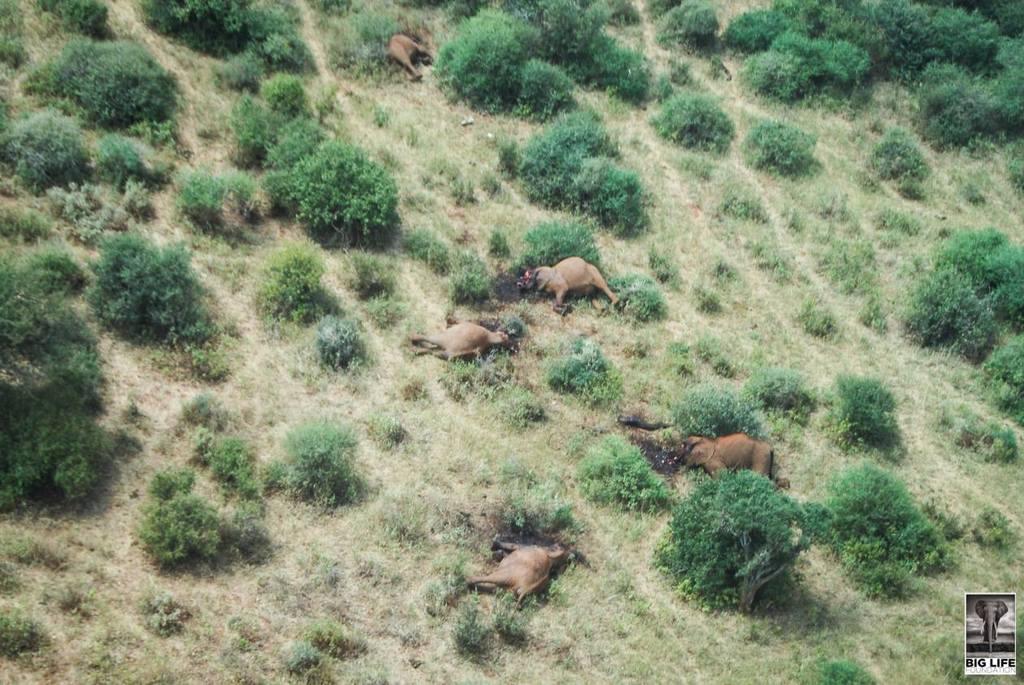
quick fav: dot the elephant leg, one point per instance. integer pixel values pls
(559, 305)
(482, 585)
(602, 285)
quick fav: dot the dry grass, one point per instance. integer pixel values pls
(617, 619)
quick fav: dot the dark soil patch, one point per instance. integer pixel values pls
(506, 289)
(666, 460)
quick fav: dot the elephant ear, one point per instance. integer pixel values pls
(1001, 609)
(979, 609)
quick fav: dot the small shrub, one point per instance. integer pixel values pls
(321, 466)
(484, 63)
(1015, 172)
(729, 565)
(254, 129)
(470, 632)
(897, 157)
(119, 160)
(843, 672)
(302, 657)
(164, 615)
(343, 197)
(780, 149)
(622, 72)
(334, 639)
(613, 196)
(965, 38)
(520, 408)
(740, 203)
(205, 410)
(339, 343)
(56, 271)
(46, 149)
(864, 412)
(117, 84)
(291, 287)
(622, 13)
(544, 90)
(361, 44)
(88, 210)
(371, 276)
(995, 442)
(149, 293)
(19, 634)
(425, 246)
(954, 109)
(1005, 373)
(232, 463)
(616, 473)
(692, 24)
(992, 266)
(663, 267)
(713, 410)
(894, 221)
(509, 622)
(639, 297)
(469, 282)
(88, 17)
(285, 95)
(944, 311)
(756, 30)
(387, 431)
(881, 537)
(850, 264)
(498, 245)
(776, 389)
(25, 225)
(548, 243)
(180, 528)
(817, 319)
(201, 198)
(241, 73)
(798, 66)
(992, 529)
(695, 122)
(707, 300)
(586, 373)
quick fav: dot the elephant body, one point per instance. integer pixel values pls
(732, 452)
(459, 341)
(571, 276)
(990, 611)
(525, 570)
(408, 54)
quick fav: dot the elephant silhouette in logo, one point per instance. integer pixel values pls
(990, 611)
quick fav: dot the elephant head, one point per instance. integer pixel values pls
(528, 279)
(990, 611)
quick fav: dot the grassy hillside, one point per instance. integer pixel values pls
(388, 566)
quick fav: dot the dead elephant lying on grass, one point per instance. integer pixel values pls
(524, 570)
(460, 341)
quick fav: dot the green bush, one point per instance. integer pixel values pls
(692, 24)
(843, 672)
(26, 225)
(387, 431)
(779, 148)
(864, 412)
(728, 564)
(623, 72)
(965, 38)
(334, 639)
(425, 246)
(302, 657)
(550, 242)
(585, 372)
(285, 95)
(296, 141)
(613, 196)
(817, 319)
(713, 410)
(894, 221)
(695, 122)
(484, 63)
(622, 13)
(777, 389)
(119, 160)
(178, 528)
(944, 311)
(321, 464)
(12, 46)
(164, 615)
(908, 36)
(545, 90)
(520, 408)
(56, 271)
(371, 276)
(117, 84)
(992, 266)
(897, 157)
(881, 537)
(19, 634)
(339, 343)
(615, 472)
(46, 149)
(88, 17)
(362, 41)
(798, 66)
(954, 108)
(231, 461)
(291, 287)
(241, 73)
(469, 281)
(992, 529)
(741, 203)
(639, 297)
(553, 158)
(995, 442)
(343, 197)
(254, 129)
(756, 30)
(471, 634)
(1005, 373)
(201, 198)
(149, 293)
